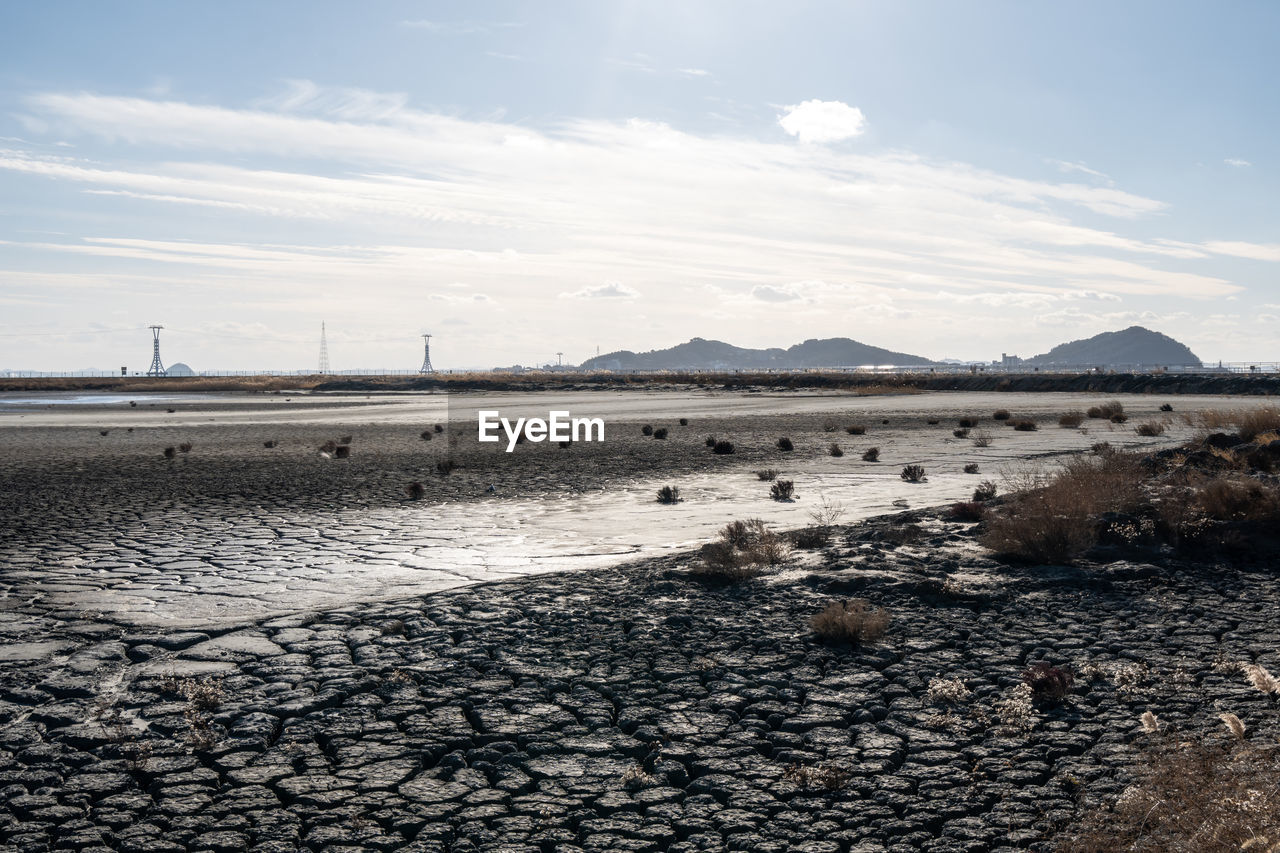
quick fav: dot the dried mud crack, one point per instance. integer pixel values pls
(636, 708)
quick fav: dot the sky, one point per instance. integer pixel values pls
(518, 179)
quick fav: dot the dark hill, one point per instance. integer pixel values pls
(1132, 346)
(701, 354)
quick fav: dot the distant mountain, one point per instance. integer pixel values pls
(702, 354)
(1134, 345)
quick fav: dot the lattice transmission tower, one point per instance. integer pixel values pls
(324, 351)
(157, 367)
(426, 356)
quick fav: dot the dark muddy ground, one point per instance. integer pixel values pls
(637, 708)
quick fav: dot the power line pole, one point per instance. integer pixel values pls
(157, 368)
(426, 356)
(324, 351)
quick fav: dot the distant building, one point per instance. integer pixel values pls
(180, 369)
(1007, 360)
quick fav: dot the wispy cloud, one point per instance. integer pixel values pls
(1237, 162)
(1068, 166)
(576, 208)
(694, 72)
(608, 290)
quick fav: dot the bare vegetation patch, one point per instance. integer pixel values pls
(668, 495)
(782, 490)
(768, 475)
(1150, 429)
(744, 549)
(913, 474)
(871, 454)
(854, 621)
(1071, 420)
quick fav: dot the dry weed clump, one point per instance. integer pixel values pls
(768, 475)
(1000, 415)
(856, 429)
(871, 454)
(968, 511)
(1048, 683)
(834, 450)
(971, 468)
(170, 452)
(415, 490)
(782, 490)
(852, 621)
(1071, 420)
(743, 551)
(825, 776)
(1191, 796)
(961, 433)
(722, 448)
(661, 433)
(1105, 411)
(785, 445)
(947, 690)
(1150, 429)
(1054, 521)
(1025, 425)
(982, 438)
(913, 474)
(669, 495)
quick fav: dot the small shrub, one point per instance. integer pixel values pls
(439, 428)
(1166, 407)
(971, 468)
(415, 491)
(785, 445)
(743, 551)
(1105, 411)
(170, 452)
(986, 491)
(968, 511)
(872, 454)
(646, 430)
(185, 447)
(104, 432)
(913, 474)
(269, 443)
(1000, 415)
(444, 467)
(960, 433)
(660, 433)
(1048, 683)
(782, 490)
(768, 475)
(329, 446)
(1150, 429)
(932, 421)
(855, 622)
(1025, 426)
(1071, 419)
(171, 411)
(342, 451)
(1101, 448)
(968, 423)
(426, 435)
(835, 450)
(856, 429)
(711, 441)
(668, 495)
(982, 438)
(828, 426)
(684, 422)
(1119, 418)
(722, 448)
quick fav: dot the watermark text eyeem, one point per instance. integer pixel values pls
(558, 426)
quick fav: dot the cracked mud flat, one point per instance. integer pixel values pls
(622, 706)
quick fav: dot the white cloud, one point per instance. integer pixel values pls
(694, 72)
(608, 290)
(770, 293)
(822, 121)
(1239, 249)
(1237, 162)
(304, 96)
(1068, 166)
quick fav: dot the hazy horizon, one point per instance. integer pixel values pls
(521, 180)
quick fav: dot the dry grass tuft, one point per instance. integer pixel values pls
(1203, 797)
(170, 452)
(768, 475)
(824, 776)
(743, 551)
(913, 474)
(1150, 429)
(782, 490)
(1106, 411)
(1025, 426)
(971, 468)
(982, 438)
(785, 445)
(668, 495)
(856, 429)
(1053, 521)
(1000, 415)
(835, 450)
(415, 490)
(1071, 419)
(722, 448)
(855, 622)
(871, 454)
